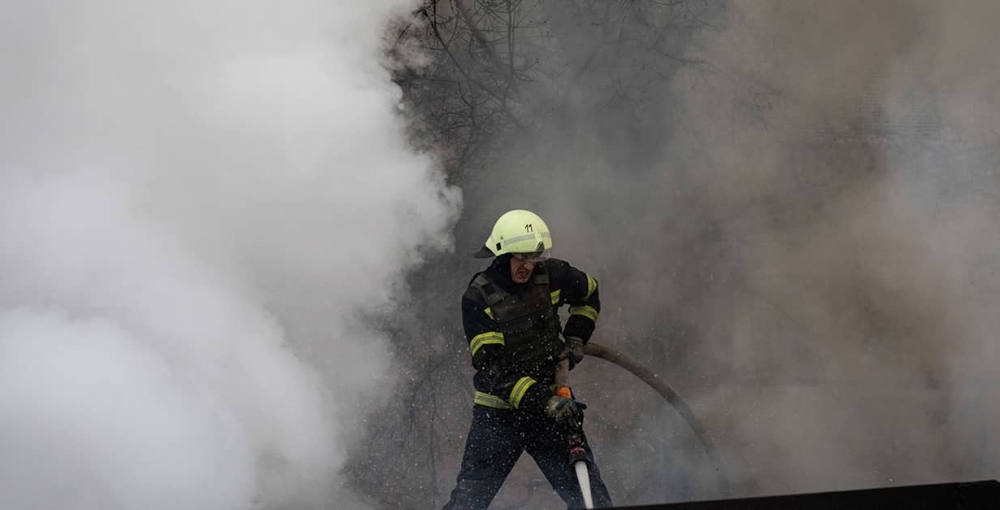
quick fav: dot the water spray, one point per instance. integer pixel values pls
(654, 381)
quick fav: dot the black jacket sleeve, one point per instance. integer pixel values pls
(578, 290)
(482, 332)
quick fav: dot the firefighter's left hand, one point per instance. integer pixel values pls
(562, 409)
(573, 351)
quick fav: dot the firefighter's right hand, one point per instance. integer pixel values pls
(562, 409)
(573, 351)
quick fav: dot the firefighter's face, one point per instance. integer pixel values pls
(520, 269)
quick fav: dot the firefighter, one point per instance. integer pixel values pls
(511, 320)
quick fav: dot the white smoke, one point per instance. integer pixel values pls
(197, 201)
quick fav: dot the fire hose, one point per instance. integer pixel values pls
(660, 386)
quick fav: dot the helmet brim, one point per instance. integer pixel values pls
(483, 253)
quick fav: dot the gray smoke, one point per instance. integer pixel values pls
(199, 203)
(851, 182)
(793, 219)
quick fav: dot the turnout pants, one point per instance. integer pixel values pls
(495, 442)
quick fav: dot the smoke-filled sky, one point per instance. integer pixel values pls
(197, 199)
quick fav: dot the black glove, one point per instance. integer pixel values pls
(573, 351)
(562, 409)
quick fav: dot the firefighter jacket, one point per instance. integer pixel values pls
(514, 329)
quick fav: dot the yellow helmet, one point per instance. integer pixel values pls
(521, 233)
